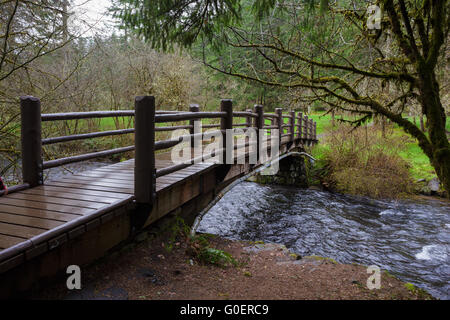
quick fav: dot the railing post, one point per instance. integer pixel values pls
(226, 105)
(259, 124)
(292, 125)
(315, 131)
(306, 128)
(279, 112)
(249, 119)
(300, 125)
(31, 138)
(193, 108)
(144, 163)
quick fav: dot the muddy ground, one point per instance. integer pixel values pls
(156, 269)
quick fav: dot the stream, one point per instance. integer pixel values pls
(409, 238)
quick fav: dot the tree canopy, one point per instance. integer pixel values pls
(327, 52)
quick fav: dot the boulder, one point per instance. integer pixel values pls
(434, 185)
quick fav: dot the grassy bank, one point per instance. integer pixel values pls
(364, 161)
(420, 166)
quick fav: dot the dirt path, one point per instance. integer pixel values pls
(264, 271)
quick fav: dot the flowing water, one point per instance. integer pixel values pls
(410, 239)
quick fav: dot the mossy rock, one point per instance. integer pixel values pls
(295, 256)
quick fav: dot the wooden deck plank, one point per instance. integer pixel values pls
(91, 187)
(68, 195)
(29, 221)
(29, 212)
(109, 170)
(8, 241)
(19, 231)
(109, 175)
(83, 192)
(125, 164)
(166, 180)
(103, 181)
(45, 206)
(96, 182)
(53, 200)
(182, 174)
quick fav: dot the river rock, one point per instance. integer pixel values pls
(434, 185)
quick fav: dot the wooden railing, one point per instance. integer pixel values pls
(295, 127)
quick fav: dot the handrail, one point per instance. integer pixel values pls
(167, 111)
(15, 188)
(85, 136)
(84, 157)
(173, 128)
(207, 126)
(177, 167)
(165, 144)
(239, 114)
(86, 115)
(188, 116)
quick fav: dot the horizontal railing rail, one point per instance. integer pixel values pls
(183, 116)
(84, 157)
(84, 136)
(86, 115)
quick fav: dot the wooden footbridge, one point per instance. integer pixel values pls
(45, 226)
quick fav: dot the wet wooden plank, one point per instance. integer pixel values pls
(86, 181)
(100, 181)
(107, 175)
(68, 195)
(49, 199)
(19, 231)
(182, 174)
(45, 206)
(30, 212)
(8, 241)
(125, 164)
(97, 182)
(82, 186)
(108, 170)
(83, 192)
(169, 181)
(29, 221)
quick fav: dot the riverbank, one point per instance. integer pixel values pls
(148, 270)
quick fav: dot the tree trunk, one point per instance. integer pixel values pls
(435, 113)
(422, 127)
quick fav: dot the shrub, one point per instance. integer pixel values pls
(201, 250)
(362, 162)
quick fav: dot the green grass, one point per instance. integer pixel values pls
(420, 165)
